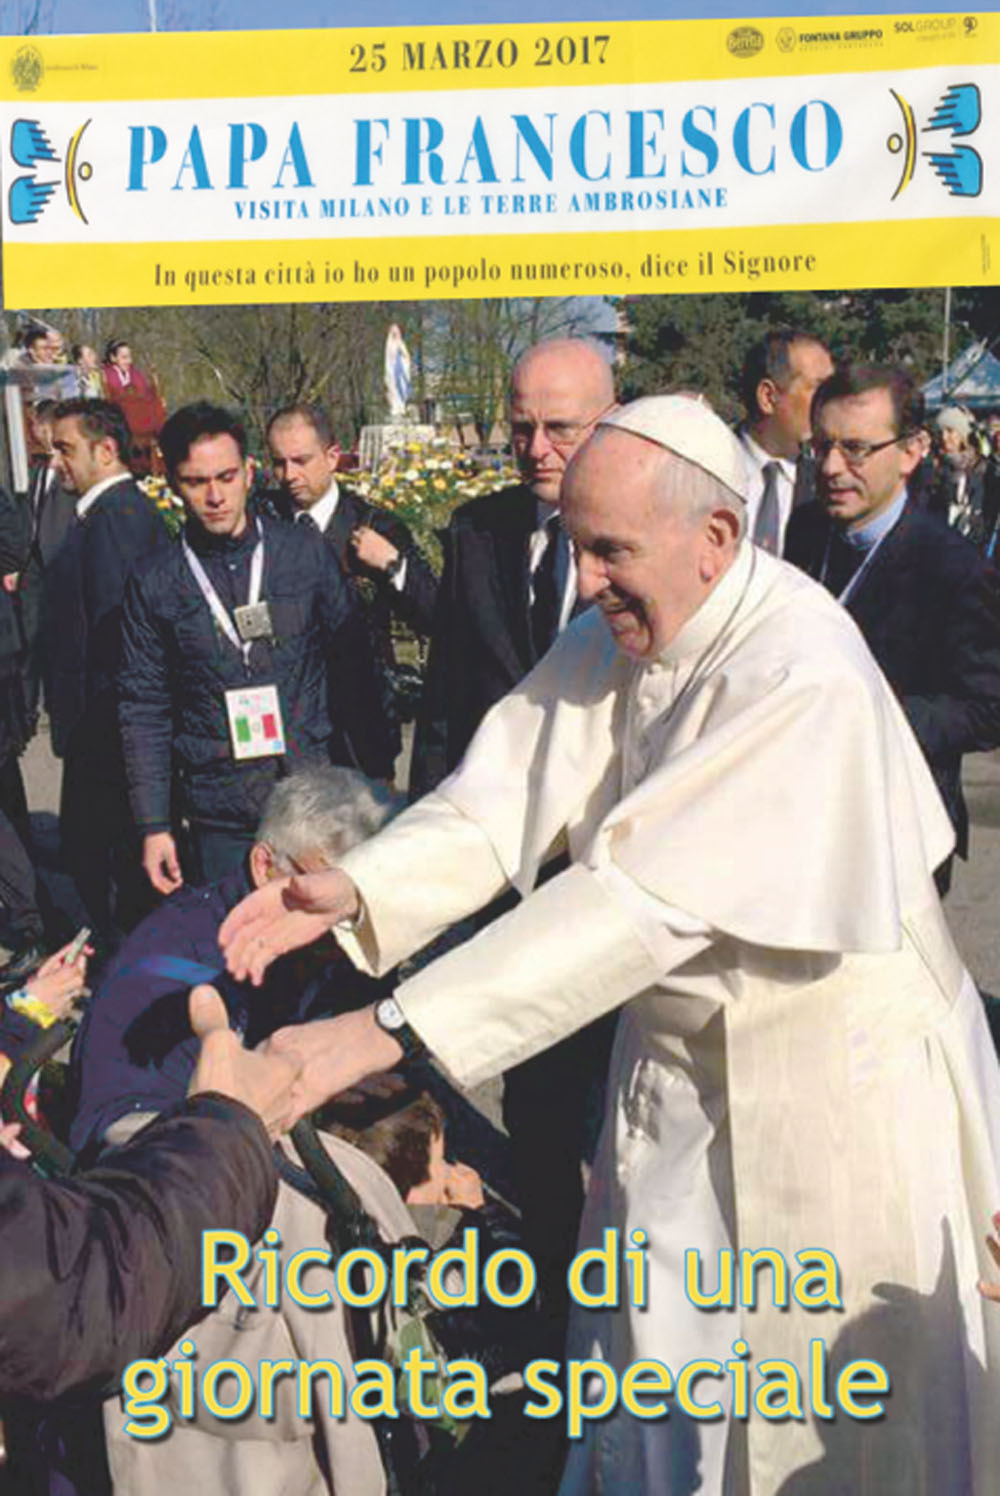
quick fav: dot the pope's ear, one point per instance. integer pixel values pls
(722, 536)
(723, 528)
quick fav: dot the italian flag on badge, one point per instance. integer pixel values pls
(255, 726)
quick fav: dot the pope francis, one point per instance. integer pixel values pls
(801, 1064)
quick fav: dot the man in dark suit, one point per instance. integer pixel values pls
(508, 583)
(114, 527)
(508, 587)
(374, 549)
(369, 542)
(48, 512)
(925, 602)
(780, 376)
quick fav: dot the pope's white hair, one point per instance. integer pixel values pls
(684, 485)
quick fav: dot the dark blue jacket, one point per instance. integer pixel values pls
(82, 612)
(135, 1052)
(177, 666)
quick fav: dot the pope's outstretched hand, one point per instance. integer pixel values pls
(282, 916)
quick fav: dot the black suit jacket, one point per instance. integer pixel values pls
(481, 644)
(82, 598)
(929, 609)
(414, 602)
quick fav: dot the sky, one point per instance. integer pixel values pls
(134, 15)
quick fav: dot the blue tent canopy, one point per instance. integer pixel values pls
(973, 379)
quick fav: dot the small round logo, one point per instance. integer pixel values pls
(745, 41)
(786, 39)
(27, 70)
(970, 23)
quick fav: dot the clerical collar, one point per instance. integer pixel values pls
(90, 498)
(322, 512)
(706, 624)
(869, 535)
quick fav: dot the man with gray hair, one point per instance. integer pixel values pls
(801, 1067)
(135, 1051)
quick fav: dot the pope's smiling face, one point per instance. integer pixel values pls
(644, 559)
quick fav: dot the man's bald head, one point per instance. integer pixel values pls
(653, 533)
(558, 390)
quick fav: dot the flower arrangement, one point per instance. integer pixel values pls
(166, 503)
(423, 481)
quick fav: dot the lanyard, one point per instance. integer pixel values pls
(213, 600)
(866, 563)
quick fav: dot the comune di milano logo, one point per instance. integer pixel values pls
(27, 69)
(31, 192)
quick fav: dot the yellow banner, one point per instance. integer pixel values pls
(461, 161)
(258, 64)
(790, 257)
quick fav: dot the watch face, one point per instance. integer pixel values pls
(388, 1014)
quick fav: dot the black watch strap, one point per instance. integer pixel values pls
(389, 1017)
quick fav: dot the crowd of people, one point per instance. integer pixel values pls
(692, 808)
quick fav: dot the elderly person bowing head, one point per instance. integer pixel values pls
(135, 1050)
(800, 1058)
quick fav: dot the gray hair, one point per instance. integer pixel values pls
(326, 809)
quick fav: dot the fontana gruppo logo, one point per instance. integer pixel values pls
(960, 168)
(30, 193)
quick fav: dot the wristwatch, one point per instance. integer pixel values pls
(390, 1017)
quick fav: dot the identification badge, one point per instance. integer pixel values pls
(255, 726)
(253, 621)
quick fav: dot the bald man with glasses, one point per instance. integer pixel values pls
(508, 589)
(926, 603)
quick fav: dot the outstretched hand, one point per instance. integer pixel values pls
(332, 1055)
(284, 915)
(263, 1082)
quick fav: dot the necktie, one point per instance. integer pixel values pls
(767, 529)
(545, 599)
(307, 522)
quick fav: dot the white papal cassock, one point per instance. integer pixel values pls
(801, 1062)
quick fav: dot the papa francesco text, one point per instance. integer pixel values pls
(580, 1391)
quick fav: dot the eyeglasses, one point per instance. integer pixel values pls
(559, 434)
(855, 454)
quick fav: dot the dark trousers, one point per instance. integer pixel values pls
(100, 845)
(553, 1105)
(210, 852)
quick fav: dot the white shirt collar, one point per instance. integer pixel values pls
(322, 512)
(90, 498)
(759, 458)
